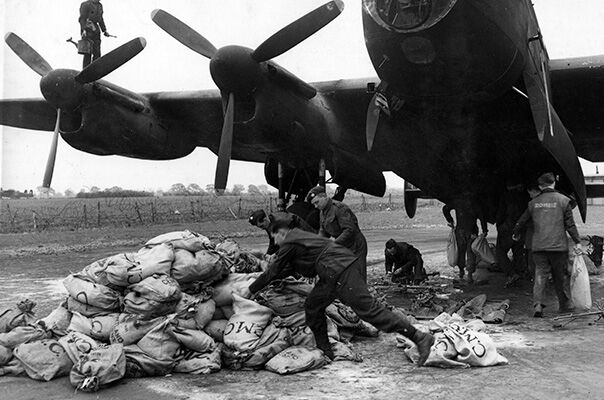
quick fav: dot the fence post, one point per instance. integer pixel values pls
(98, 213)
(363, 203)
(193, 209)
(85, 217)
(153, 211)
(390, 200)
(35, 219)
(138, 212)
(239, 209)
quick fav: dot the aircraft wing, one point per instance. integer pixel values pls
(578, 90)
(34, 114)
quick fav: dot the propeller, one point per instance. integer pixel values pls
(64, 88)
(234, 68)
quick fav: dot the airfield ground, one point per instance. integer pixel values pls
(545, 363)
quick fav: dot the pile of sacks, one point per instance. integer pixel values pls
(176, 305)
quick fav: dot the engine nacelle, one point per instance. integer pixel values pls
(108, 128)
(353, 172)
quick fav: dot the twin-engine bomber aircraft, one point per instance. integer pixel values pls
(467, 103)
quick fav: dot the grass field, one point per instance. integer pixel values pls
(31, 215)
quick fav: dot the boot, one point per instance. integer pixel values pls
(424, 342)
(326, 349)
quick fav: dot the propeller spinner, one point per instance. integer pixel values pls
(237, 69)
(64, 88)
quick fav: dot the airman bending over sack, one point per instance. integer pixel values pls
(340, 277)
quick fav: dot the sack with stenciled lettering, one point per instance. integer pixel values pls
(193, 339)
(185, 240)
(131, 328)
(193, 313)
(245, 327)
(139, 364)
(154, 296)
(98, 368)
(215, 329)
(300, 333)
(458, 346)
(97, 272)
(44, 360)
(129, 268)
(19, 315)
(86, 309)
(296, 359)
(96, 327)
(77, 344)
(86, 291)
(191, 362)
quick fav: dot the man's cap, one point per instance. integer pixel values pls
(256, 217)
(546, 179)
(390, 243)
(312, 193)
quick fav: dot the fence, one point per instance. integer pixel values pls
(26, 215)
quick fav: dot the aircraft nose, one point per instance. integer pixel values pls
(60, 88)
(234, 70)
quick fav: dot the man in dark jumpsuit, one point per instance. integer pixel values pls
(552, 217)
(339, 222)
(406, 260)
(259, 218)
(91, 25)
(466, 231)
(340, 277)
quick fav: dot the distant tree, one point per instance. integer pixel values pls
(263, 189)
(178, 189)
(95, 189)
(159, 193)
(253, 190)
(237, 190)
(194, 188)
(69, 193)
(115, 189)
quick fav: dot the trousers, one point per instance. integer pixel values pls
(504, 244)
(95, 52)
(556, 263)
(465, 253)
(351, 289)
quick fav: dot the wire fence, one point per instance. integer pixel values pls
(30, 215)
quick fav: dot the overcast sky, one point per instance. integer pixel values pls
(570, 28)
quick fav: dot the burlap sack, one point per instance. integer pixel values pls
(343, 315)
(160, 342)
(234, 283)
(99, 328)
(152, 297)
(344, 352)
(296, 359)
(300, 333)
(23, 334)
(229, 247)
(185, 240)
(14, 368)
(18, 315)
(97, 273)
(77, 344)
(86, 291)
(194, 339)
(286, 297)
(207, 266)
(245, 327)
(191, 362)
(127, 269)
(99, 367)
(57, 321)
(131, 328)
(191, 308)
(85, 309)
(43, 360)
(215, 329)
(5, 355)
(139, 364)
(273, 341)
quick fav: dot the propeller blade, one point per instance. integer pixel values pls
(111, 61)
(298, 31)
(27, 54)
(183, 33)
(373, 117)
(226, 144)
(50, 163)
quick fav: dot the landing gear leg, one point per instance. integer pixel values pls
(322, 172)
(281, 200)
